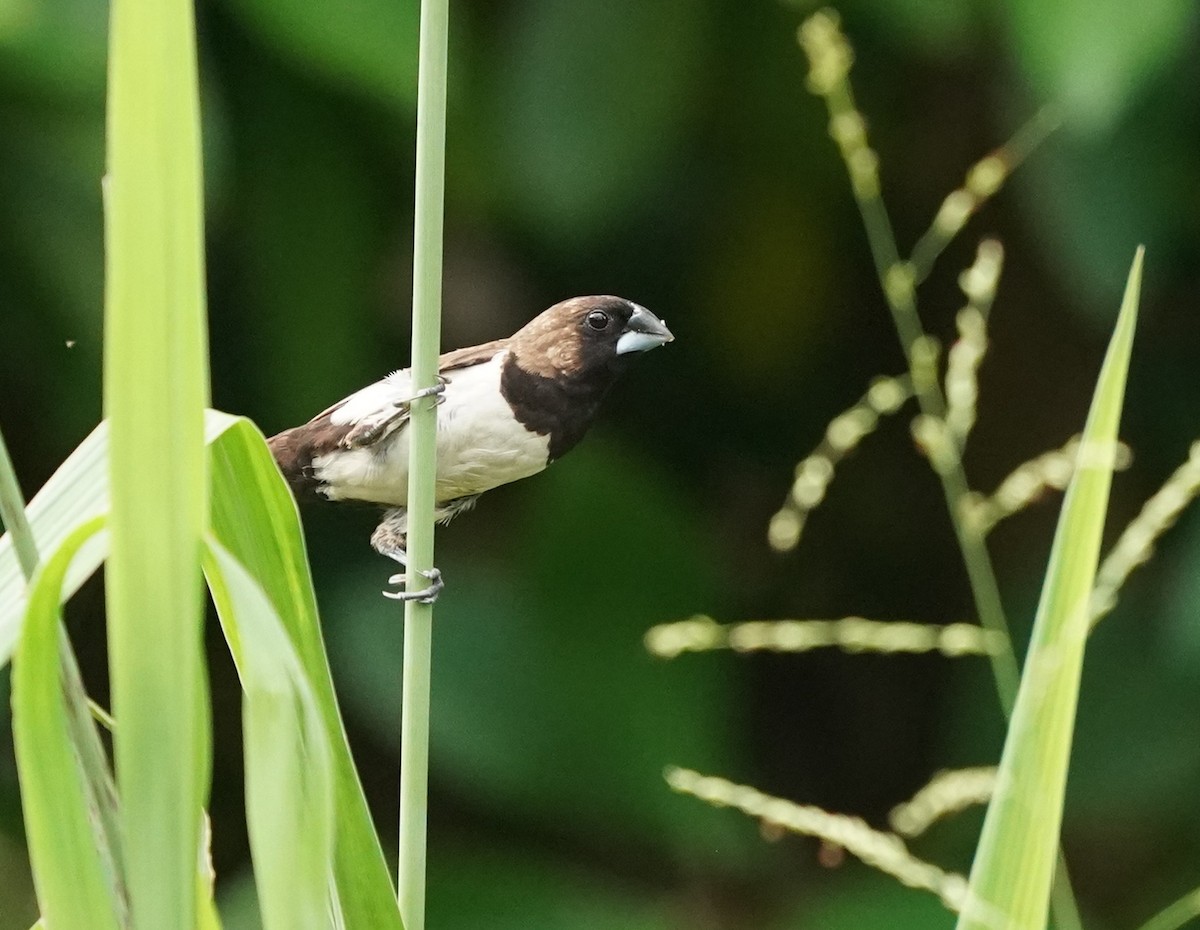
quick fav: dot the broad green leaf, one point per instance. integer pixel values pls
(74, 884)
(255, 518)
(1014, 864)
(289, 798)
(155, 395)
(75, 493)
(99, 786)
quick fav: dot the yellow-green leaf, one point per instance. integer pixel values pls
(255, 518)
(155, 394)
(1014, 864)
(75, 885)
(289, 776)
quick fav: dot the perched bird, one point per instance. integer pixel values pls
(507, 409)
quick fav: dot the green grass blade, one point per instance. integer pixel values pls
(1014, 864)
(75, 493)
(289, 791)
(255, 518)
(76, 888)
(88, 748)
(155, 393)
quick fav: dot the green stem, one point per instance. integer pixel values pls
(426, 333)
(89, 749)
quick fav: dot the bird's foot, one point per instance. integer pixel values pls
(431, 391)
(388, 541)
(426, 595)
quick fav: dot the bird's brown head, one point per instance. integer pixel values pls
(587, 335)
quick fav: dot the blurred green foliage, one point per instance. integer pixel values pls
(668, 151)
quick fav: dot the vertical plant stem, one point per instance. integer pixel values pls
(426, 335)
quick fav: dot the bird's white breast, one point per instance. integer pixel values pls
(480, 444)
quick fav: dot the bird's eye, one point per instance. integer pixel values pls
(597, 320)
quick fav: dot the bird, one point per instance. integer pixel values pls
(506, 409)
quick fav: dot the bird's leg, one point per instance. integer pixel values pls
(389, 539)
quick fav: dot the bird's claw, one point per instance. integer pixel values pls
(426, 595)
(431, 391)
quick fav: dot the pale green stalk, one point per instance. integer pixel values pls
(426, 333)
(155, 393)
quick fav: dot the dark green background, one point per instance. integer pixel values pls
(667, 151)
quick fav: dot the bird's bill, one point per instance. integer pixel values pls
(643, 332)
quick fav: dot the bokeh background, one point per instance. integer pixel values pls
(666, 150)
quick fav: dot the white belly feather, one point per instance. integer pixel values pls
(480, 445)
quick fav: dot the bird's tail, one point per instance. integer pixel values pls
(294, 458)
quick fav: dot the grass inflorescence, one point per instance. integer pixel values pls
(1008, 876)
(885, 851)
